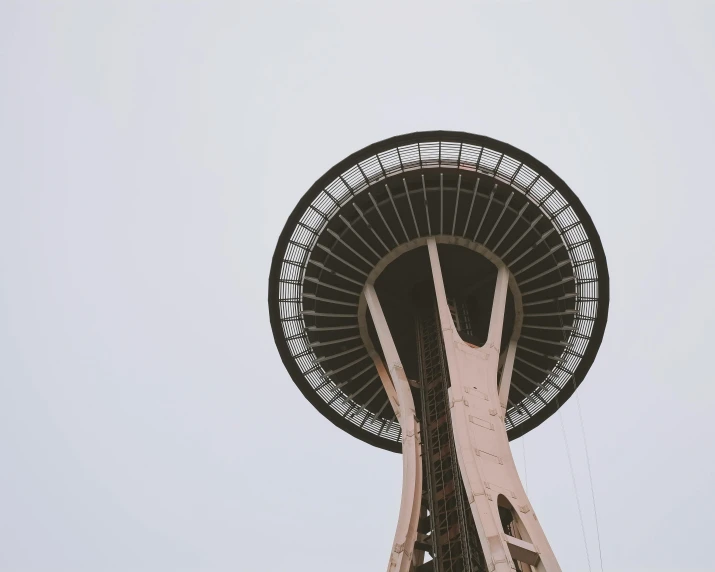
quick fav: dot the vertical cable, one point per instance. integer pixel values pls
(590, 479)
(575, 489)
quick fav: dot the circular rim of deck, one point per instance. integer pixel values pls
(463, 152)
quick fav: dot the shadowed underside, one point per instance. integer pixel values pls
(486, 203)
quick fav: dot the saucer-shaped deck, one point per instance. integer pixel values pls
(474, 194)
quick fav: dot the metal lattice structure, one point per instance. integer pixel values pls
(455, 186)
(452, 541)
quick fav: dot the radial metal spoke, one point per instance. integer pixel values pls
(536, 384)
(424, 191)
(363, 388)
(377, 236)
(327, 314)
(544, 314)
(557, 328)
(349, 365)
(535, 262)
(441, 203)
(471, 206)
(544, 340)
(518, 240)
(536, 367)
(333, 356)
(379, 212)
(399, 218)
(409, 201)
(338, 386)
(527, 349)
(486, 210)
(456, 204)
(501, 214)
(549, 271)
(332, 253)
(530, 249)
(347, 223)
(372, 397)
(511, 227)
(331, 342)
(331, 328)
(559, 283)
(546, 300)
(382, 408)
(350, 248)
(527, 395)
(332, 272)
(331, 286)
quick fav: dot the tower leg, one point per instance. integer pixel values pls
(401, 557)
(506, 524)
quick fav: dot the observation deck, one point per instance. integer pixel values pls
(485, 203)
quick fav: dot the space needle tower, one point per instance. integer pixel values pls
(438, 294)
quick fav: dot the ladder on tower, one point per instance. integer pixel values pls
(453, 540)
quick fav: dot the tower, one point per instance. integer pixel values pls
(438, 294)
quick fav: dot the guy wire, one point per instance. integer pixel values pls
(590, 478)
(575, 488)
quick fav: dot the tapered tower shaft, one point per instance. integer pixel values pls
(479, 515)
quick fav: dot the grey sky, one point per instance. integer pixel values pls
(150, 153)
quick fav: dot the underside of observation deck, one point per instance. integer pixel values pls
(485, 202)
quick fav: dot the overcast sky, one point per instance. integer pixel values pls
(150, 153)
